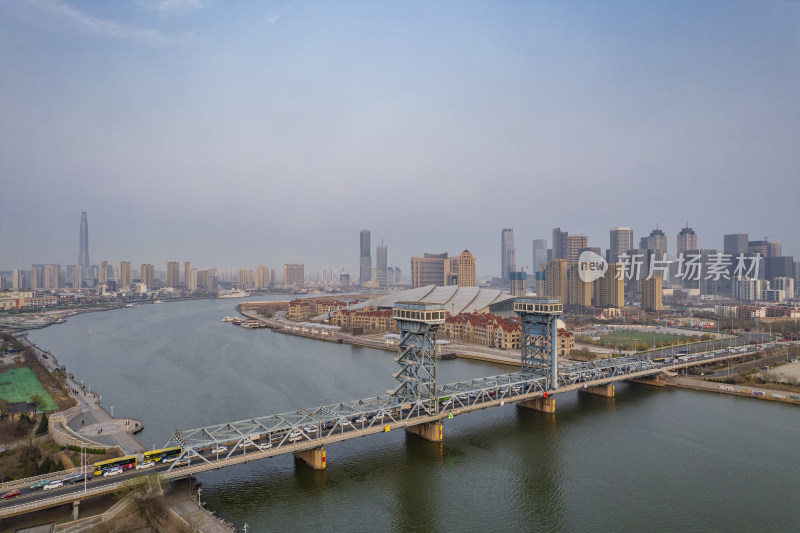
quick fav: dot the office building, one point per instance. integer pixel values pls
(173, 274)
(428, 270)
(651, 293)
(83, 248)
(365, 260)
(294, 273)
(777, 267)
(687, 240)
(758, 247)
(774, 249)
(555, 281)
(147, 274)
(508, 254)
(381, 264)
(657, 240)
(559, 242)
(466, 269)
(125, 275)
(621, 242)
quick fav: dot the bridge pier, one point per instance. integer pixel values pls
(606, 390)
(75, 505)
(544, 405)
(315, 457)
(432, 431)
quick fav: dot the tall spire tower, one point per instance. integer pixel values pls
(83, 251)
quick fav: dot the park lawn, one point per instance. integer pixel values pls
(625, 338)
(18, 384)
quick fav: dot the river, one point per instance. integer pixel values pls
(650, 459)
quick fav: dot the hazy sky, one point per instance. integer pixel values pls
(237, 133)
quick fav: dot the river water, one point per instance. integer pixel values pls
(649, 459)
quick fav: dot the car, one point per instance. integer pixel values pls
(145, 464)
(71, 477)
(265, 446)
(360, 420)
(81, 479)
(10, 495)
(39, 484)
(220, 449)
(112, 471)
(329, 425)
(310, 428)
(54, 485)
(295, 436)
(169, 459)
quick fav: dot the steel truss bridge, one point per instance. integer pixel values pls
(415, 402)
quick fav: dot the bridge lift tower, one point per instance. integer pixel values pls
(539, 339)
(416, 375)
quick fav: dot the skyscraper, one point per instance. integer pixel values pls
(83, 249)
(572, 250)
(555, 281)
(508, 255)
(687, 240)
(559, 238)
(657, 240)
(103, 272)
(125, 278)
(77, 277)
(381, 264)
(294, 273)
(365, 260)
(539, 255)
(187, 273)
(147, 273)
(466, 269)
(621, 242)
(173, 274)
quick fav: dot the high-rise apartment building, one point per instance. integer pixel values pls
(365, 260)
(621, 242)
(687, 240)
(83, 248)
(17, 280)
(103, 272)
(77, 277)
(785, 284)
(294, 273)
(466, 269)
(519, 282)
(147, 273)
(37, 277)
(125, 274)
(508, 254)
(381, 264)
(262, 277)
(245, 278)
(651, 293)
(191, 283)
(574, 245)
(555, 281)
(774, 249)
(173, 274)
(609, 290)
(579, 292)
(187, 271)
(52, 276)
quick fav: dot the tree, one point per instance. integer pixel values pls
(38, 400)
(42, 429)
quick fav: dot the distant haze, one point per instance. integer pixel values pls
(235, 134)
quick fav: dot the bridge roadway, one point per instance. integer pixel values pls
(261, 438)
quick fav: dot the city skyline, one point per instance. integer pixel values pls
(162, 122)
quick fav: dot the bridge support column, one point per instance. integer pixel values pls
(75, 505)
(600, 390)
(545, 405)
(315, 458)
(432, 431)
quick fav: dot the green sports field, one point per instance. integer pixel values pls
(18, 384)
(626, 338)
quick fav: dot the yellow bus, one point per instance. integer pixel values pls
(162, 454)
(129, 461)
